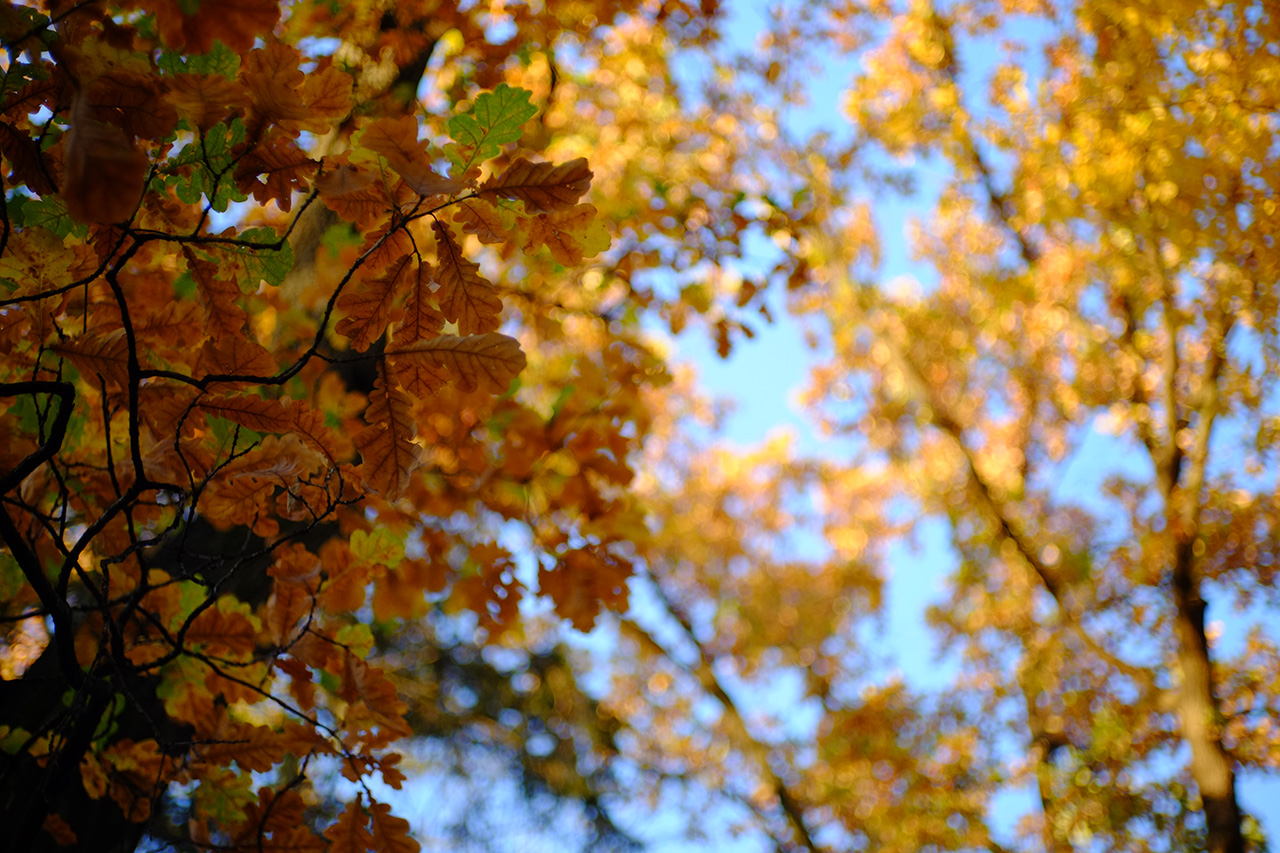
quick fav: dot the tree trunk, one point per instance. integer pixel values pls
(1198, 707)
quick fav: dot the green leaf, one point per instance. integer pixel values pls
(25, 411)
(340, 236)
(49, 213)
(381, 546)
(222, 61)
(263, 264)
(224, 430)
(184, 286)
(208, 163)
(497, 118)
(357, 637)
(13, 740)
(11, 577)
(190, 596)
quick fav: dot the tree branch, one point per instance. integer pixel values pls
(703, 671)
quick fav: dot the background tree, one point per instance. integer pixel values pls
(1101, 283)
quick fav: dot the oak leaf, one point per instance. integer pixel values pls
(218, 295)
(541, 186)
(399, 593)
(345, 580)
(485, 362)
(104, 354)
(30, 97)
(284, 95)
(59, 830)
(496, 118)
(386, 445)
(465, 296)
(370, 685)
(130, 771)
(390, 833)
(421, 320)
(26, 163)
(585, 580)
(570, 235)
(289, 607)
(133, 102)
(227, 629)
(274, 170)
(368, 306)
(257, 413)
(254, 748)
(195, 26)
(206, 99)
(350, 833)
(396, 139)
(235, 356)
(103, 171)
(339, 177)
(490, 223)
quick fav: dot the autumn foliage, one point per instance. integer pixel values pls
(336, 404)
(213, 444)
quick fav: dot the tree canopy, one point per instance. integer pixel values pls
(338, 409)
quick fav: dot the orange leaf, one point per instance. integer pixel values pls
(130, 772)
(255, 748)
(99, 354)
(350, 833)
(384, 247)
(339, 177)
(285, 166)
(466, 297)
(390, 833)
(236, 356)
(399, 593)
(301, 687)
(31, 97)
(132, 102)
(309, 424)
(487, 222)
(294, 563)
(422, 320)
(387, 443)
(61, 832)
(235, 23)
(26, 164)
(541, 186)
(283, 94)
(396, 139)
(368, 306)
(224, 630)
(171, 323)
(555, 231)
(345, 578)
(370, 685)
(289, 606)
(480, 362)
(255, 413)
(224, 316)
(206, 99)
(583, 582)
(103, 172)
(270, 824)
